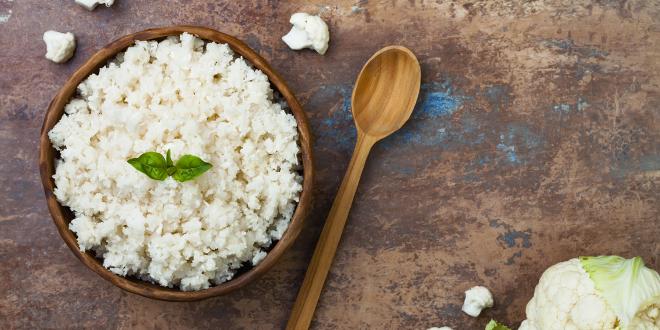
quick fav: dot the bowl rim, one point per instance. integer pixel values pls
(61, 217)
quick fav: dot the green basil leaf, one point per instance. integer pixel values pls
(135, 162)
(169, 159)
(157, 167)
(189, 167)
(152, 164)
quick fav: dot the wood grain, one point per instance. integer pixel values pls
(383, 99)
(62, 215)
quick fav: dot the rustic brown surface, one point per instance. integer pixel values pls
(536, 140)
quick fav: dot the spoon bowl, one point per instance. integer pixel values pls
(386, 91)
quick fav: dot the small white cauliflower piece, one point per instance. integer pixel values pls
(585, 293)
(476, 299)
(59, 46)
(441, 328)
(91, 4)
(308, 31)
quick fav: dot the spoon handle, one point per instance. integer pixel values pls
(308, 296)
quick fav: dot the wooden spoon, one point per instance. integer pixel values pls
(384, 97)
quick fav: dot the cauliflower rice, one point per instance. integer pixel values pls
(189, 97)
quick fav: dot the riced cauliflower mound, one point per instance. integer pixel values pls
(191, 98)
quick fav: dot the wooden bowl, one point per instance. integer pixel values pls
(62, 215)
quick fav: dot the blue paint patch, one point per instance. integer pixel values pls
(568, 46)
(496, 92)
(650, 163)
(435, 123)
(468, 131)
(338, 128)
(471, 177)
(437, 100)
(406, 170)
(581, 104)
(437, 104)
(497, 96)
(473, 170)
(560, 43)
(563, 108)
(483, 160)
(583, 53)
(429, 124)
(519, 140)
(512, 260)
(509, 150)
(511, 237)
(625, 165)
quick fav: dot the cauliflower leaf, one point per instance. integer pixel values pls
(631, 289)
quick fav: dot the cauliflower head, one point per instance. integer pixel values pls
(585, 293)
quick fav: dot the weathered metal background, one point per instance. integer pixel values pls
(536, 139)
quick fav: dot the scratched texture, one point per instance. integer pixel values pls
(536, 139)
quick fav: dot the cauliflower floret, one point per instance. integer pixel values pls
(308, 31)
(476, 299)
(91, 4)
(59, 46)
